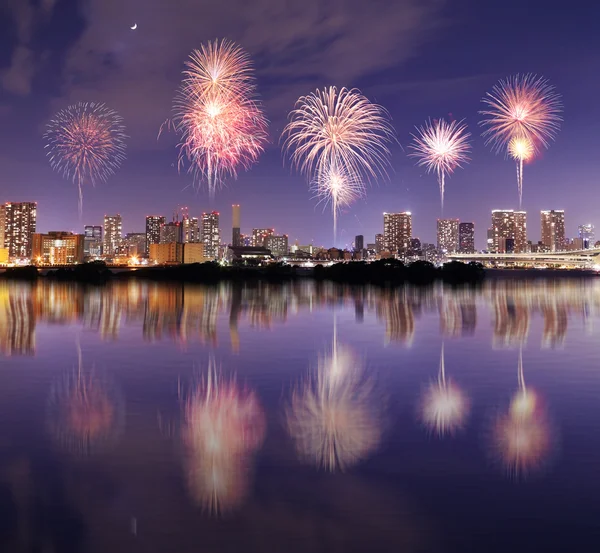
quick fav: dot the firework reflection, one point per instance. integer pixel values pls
(223, 426)
(444, 406)
(523, 438)
(330, 417)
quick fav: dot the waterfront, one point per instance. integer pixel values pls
(482, 456)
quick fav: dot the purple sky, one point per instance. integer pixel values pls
(418, 58)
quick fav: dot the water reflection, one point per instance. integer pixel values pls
(190, 313)
(85, 411)
(444, 405)
(523, 437)
(224, 425)
(332, 417)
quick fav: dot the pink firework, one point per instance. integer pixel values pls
(441, 147)
(220, 122)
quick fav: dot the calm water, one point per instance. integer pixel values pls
(168, 418)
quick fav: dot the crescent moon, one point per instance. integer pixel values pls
(134, 27)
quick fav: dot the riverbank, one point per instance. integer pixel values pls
(386, 272)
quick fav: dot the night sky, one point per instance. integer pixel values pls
(418, 58)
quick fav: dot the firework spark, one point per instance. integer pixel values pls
(521, 150)
(441, 147)
(444, 406)
(338, 139)
(223, 427)
(330, 417)
(86, 143)
(220, 122)
(523, 107)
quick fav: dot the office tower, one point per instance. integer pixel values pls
(553, 229)
(58, 248)
(92, 240)
(510, 225)
(211, 234)
(236, 236)
(520, 236)
(466, 237)
(278, 245)
(359, 243)
(260, 235)
(586, 233)
(490, 240)
(113, 234)
(171, 232)
(415, 249)
(153, 225)
(447, 235)
(190, 230)
(19, 227)
(134, 244)
(378, 243)
(397, 231)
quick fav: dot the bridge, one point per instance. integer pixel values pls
(575, 259)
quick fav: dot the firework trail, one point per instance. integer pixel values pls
(521, 150)
(441, 147)
(224, 425)
(524, 107)
(86, 143)
(444, 406)
(338, 139)
(330, 417)
(219, 121)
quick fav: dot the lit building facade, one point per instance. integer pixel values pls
(553, 229)
(2, 224)
(135, 244)
(190, 230)
(447, 235)
(278, 245)
(193, 252)
(260, 235)
(20, 220)
(171, 232)
(113, 234)
(92, 240)
(466, 237)
(58, 248)
(397, 231)
(586, 233)
(379, 242)
(211, 234)
(236, 235)
(166, 253)
(509, 231)
(153, 225)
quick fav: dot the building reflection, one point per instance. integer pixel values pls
(191, 313)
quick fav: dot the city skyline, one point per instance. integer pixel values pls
(404, 76)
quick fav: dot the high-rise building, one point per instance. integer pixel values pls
(466, 237)
(190, 230)
(153, 224)
(586, 233)
(447, 235)
(171, 232)
(490, 240)
(2, 224)
(58, 248)
(359, 243)
(278, 245)
(92, 240)
(397, 231)
(113, 234)
(20, 221)
(134, 244)
(260, 235)
(520, 237)
(211, 234)
(379, 242)
(236, 236)
(553, 229)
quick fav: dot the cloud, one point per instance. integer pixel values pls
(27, 16)
(297, 45)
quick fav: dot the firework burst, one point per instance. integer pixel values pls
(524, 107)
(338, 139)
(441, 147)
(86, 143)
(220, 122)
